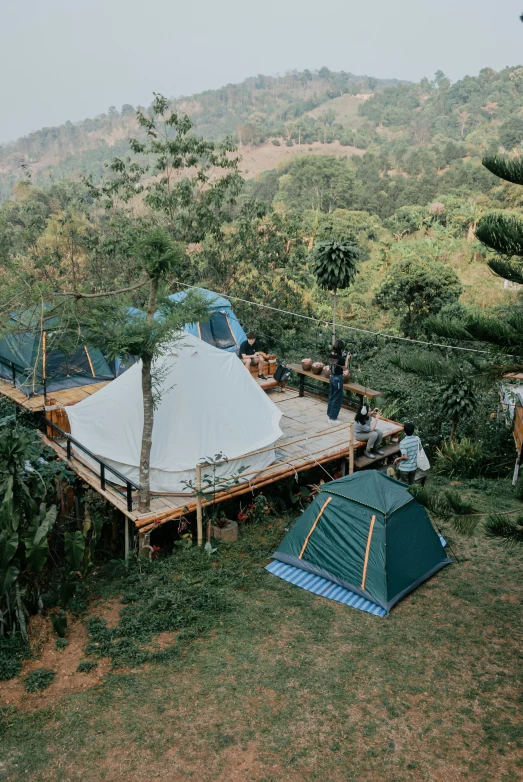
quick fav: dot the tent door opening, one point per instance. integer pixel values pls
(217, 331)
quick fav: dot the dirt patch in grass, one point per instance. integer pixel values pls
(108, 610)
(63, 661)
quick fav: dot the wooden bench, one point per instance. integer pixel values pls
(361, 392)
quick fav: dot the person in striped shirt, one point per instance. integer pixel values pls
(408, 461)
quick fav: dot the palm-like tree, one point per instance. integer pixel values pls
(335, 264)
(456, 393)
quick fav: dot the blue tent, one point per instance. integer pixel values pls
(223, 329)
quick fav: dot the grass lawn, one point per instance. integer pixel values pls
(224, 672)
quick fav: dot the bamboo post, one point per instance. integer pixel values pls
(351, 451)
(126, 525)
(44, 365)
(199, 523)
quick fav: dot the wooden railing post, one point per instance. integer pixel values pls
(199, 523)
(351, 448)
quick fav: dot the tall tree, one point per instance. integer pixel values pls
(188, 186)
(145, 336)
(502, 232)
(417, 288)
(335, 264)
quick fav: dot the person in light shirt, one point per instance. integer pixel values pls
(408, 461)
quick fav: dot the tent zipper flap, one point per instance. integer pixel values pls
(367, 552)
(318, 517)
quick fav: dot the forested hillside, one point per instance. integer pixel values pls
(420, 138)
(254, 111)
(399, 164)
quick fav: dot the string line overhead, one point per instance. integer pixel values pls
(342, 325)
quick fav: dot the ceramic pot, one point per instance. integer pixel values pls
(326, 371)
(317, 367)
(306, 364)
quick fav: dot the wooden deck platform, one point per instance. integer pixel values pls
(302, 417)
(68, 396)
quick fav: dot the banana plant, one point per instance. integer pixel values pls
(36, 540)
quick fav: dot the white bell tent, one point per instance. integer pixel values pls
(208, 403)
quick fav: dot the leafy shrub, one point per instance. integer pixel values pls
(86, 666)
(465, 459)
(39, 680)
(9, 668)
(61, 643)
(276, 142)
(289, 143)
(12, 651)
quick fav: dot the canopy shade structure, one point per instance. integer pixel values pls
(207, 404)
(223, 329)
(366, 533)
(34, 358)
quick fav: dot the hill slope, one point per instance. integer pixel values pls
(252, 111)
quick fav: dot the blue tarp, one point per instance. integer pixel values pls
(320, 586)
(223, 328)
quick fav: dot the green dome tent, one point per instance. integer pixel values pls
(367, 534)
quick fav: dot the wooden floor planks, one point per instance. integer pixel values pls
(302, 417)
(67, 396)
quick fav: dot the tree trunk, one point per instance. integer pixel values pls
(334, 318)
(148, 414)
(453, 429)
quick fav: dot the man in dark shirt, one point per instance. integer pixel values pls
(250, 355)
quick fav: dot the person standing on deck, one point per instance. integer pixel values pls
(408, 461)
(250, 354)
(365, 430)
(337, 363)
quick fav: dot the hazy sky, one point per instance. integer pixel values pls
(72, 59)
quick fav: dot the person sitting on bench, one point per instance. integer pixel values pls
(365, 430)
(250, 354)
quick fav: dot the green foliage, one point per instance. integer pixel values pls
(511, 133)
(86, 666)
(39, 680)
(193, 204)
(509, 169)
(448, 505)
(463, 459)
(407, 220)
(157, 254)
(13, 650)
(459, 399)
(61, 643)
(418, 289)
(335, 264)
(501, 232)
(322, 183)
(59, 620)
(509, 529)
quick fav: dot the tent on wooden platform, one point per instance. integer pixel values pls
(367, 534)
(223, 329)
(34, 357)
(207, 404)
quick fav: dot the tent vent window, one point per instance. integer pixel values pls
(217, 331)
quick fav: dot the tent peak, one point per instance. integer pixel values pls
(372, 489)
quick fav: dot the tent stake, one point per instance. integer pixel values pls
(199, 503)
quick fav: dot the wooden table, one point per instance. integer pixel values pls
(354, 388)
